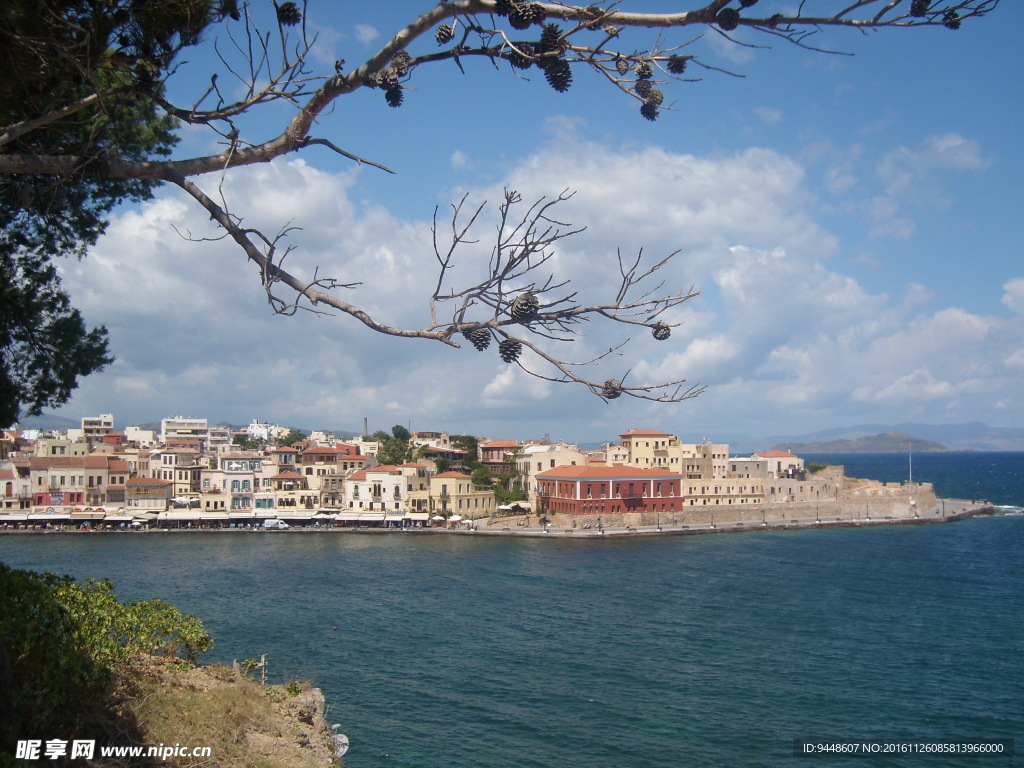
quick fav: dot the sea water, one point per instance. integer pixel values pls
(715, 650)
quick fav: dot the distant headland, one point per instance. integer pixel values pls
(888, 442)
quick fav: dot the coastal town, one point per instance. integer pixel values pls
(193, 475)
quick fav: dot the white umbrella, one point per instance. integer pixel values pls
(437, 517)
(455, 518)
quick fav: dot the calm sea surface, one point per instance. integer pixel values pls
(714, 650)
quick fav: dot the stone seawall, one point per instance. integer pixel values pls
(786, 517)
(864, 502)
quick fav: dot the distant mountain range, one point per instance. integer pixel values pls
(888, 442)
(970, 436)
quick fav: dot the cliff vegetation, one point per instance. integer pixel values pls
(78, 664)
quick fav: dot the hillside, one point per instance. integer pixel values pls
(887, 442)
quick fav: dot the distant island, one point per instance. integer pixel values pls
(888, 442)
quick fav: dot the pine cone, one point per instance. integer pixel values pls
(534, 12)
(655, 96)
(676, 64)
(387, 78)
(479, 338)
(951, 20)
(400, 63)
(520, 58)
(288, 14)
(394, 96)
(649, 111)
(519, 17)
(444, 34)
(503, 7)
(660, 331)
(510, 349)
(642, 88)
(644, 71)
(728, 19)
(550, 39)
(558, 74)
(621, 65)
(524, 307)
(918, 8)
(611, 389)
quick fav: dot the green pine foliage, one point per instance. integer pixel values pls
(57, 53)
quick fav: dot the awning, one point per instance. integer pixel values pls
(347, 516)
(418, 515)
(189, 516)
(214, 515)
(371, 517)
(117, 519)
(395, 515)
(14, 517)
(94, 514)
(55, 516)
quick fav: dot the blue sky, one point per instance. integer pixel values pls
(853, 224)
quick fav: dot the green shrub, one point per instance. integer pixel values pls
(61, 642)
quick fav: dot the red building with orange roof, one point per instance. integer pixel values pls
(593, 490)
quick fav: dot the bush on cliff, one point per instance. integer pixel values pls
(61, 643)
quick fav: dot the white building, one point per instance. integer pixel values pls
(184, 428)
(145, 438)
(96, 427)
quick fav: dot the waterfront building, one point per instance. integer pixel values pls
(534, 459)
(148, 493)
(15, 487)
(592, 490)
(182, 466)
(319, 462)
(386, 487)
(237, 476)
(61, 481)
(453, 493)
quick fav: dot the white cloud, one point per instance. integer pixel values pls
(777, 334)
(460, 161)
(1013, 298)
(366, 33)
(768, 114)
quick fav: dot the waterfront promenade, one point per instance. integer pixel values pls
(948, 510)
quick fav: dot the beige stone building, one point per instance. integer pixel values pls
(653, 449)
(453, 493)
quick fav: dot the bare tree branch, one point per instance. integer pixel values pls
(516, 300)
